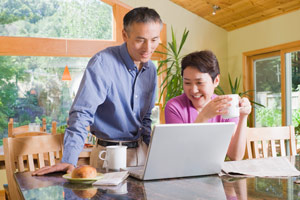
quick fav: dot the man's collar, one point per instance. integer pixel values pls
(127, 59)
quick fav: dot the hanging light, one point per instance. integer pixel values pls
(66, 75)
(33, 92)
(215, 8)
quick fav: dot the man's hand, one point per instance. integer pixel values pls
(66, 167)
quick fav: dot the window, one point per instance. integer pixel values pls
(38, 39)
(33, 89)
(267, 86)
(273, 74)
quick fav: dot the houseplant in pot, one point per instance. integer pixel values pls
(172, 83)
(234, 89)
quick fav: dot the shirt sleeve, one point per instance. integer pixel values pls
(92, 91)
(147, 119)
(172, 113)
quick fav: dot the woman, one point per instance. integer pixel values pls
(201, 75)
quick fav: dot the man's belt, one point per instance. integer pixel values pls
(104, 143)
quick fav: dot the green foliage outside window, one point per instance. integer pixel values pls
(90, 19)
(37, 91)
(268, 117)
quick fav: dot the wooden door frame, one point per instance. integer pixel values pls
(248, 74)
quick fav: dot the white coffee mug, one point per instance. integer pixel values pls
(34, 127)
(31, 127)
(37, 127)
(116, 157)
(233, 110)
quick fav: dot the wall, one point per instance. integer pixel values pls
(275, 31)
(3, 179)
(203, 34)
(228, 46)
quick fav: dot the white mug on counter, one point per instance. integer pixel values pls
(233, 110)
(34, 127)
(116, 157)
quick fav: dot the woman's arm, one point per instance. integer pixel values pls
(237, 144)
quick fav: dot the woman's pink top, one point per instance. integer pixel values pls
(181, 110)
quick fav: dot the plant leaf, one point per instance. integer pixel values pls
(183, 39)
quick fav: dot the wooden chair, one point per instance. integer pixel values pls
(22, 131)
(16, 148)
(270, 138)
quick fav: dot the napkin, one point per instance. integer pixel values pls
(113, 178)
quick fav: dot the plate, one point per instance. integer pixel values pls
(82, 180)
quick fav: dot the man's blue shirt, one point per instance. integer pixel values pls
(114, 99)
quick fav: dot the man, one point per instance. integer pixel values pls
(116, 95)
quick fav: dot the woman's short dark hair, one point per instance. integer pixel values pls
(140, 15)
(205, 61)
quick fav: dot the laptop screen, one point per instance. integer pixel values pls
(180, 150)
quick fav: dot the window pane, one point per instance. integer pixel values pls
(155, 62)
(89, 19)
(268, 92)
(155, 115)
(293, 60)
(31, 88)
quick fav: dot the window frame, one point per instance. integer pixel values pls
(248, 73)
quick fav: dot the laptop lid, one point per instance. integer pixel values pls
(181, 150)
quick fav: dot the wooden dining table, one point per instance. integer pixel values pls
(53, 186)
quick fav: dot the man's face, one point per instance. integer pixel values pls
(142, 39)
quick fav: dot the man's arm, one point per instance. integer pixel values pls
(91, 93)
(147, 118)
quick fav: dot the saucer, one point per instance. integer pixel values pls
(82, 180)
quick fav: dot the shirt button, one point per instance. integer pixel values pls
(136, 96)
(140, 129)
(129, 70)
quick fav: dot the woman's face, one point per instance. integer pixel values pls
(198, 86)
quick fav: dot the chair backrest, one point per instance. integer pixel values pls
(269, 141)
(22, 130)
(19, 155)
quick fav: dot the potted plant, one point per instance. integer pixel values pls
(234, 89)
(172, 83)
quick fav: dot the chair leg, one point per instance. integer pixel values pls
(7, 196)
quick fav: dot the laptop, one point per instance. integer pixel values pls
(182, 150)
